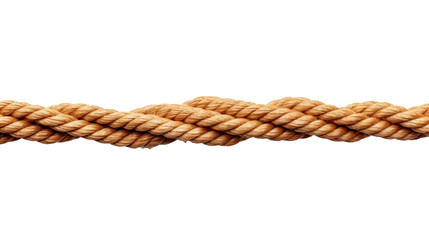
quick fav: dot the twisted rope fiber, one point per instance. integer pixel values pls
(211, 121)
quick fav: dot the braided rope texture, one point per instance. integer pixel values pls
(211, 121)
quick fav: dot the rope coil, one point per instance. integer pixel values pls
(211, 121)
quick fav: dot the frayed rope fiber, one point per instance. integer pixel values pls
(211, 121)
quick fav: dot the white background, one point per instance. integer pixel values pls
(129, 54)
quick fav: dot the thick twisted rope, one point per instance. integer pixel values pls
(211, 121)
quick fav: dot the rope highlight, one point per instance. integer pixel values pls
(211, 121)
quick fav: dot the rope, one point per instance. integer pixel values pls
(211, 121)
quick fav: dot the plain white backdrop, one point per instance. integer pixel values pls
(129, 54)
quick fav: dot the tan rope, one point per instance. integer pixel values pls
(211, 121)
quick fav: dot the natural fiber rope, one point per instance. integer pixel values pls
(211, 121)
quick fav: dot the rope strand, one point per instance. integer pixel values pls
(211, 121)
